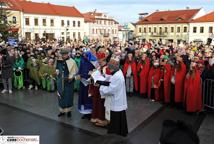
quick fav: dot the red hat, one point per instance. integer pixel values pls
(101, 55)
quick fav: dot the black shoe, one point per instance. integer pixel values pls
(69, 114)
(86, 116)
(61, 114)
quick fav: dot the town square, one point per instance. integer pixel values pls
(108, 72)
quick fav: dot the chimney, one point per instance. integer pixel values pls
(142, 15)
(187, 8)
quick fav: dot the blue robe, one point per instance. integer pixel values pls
(84, 102)
(64, 88)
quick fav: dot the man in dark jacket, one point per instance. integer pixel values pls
(7, 70)
(208, 73)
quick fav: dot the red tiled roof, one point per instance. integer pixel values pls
(95, 13)
(206, 18)
(89, 17)
(164, 17)
(66, 11)
(46, 8)
(12, 4)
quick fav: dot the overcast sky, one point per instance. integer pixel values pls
(127, 10)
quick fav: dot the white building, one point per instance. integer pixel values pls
(202, 28)
(45, 20)
(126, 32)
(100, 26)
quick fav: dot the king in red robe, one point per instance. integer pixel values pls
(98, 109)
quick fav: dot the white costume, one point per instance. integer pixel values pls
(117, 92)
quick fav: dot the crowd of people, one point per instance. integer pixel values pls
(103, 73)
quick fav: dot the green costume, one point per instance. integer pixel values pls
(46, 74)
(18, 79)
(77, 82)
(43, 74)
(33, 66)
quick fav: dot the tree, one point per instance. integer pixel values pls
(5, 25)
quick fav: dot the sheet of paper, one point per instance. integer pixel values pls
(97, 76)
(84, 81)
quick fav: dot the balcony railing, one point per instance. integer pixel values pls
(159, 34)
(106, 35)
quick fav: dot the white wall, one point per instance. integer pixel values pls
(199, 14)
(96, 26)
(198, 35)
(108, 28)
(57, 29)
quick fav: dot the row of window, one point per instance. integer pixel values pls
(103, 31)
(161, 30)
(74, 34)
(52, 23)
(105, 22)
(172, 30)
(201, 29)
(52, 35)
(5, 19)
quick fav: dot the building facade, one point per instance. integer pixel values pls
(100, 26)
(13, 17)
(45, 20)
(202, 29)
(126, 32)
(167, 26)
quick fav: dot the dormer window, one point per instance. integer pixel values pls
(179, 18)
(162, 19)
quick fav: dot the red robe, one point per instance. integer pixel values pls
(179, 83)
(143, 69)
(134, 72)
(156, 74)
(98, 109)
(193, 92)
(167, 82)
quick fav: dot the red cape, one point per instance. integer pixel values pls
(143, 69)
(167, 82)
(156, 74)
(193, 93)
(134, 72)
(179, 83)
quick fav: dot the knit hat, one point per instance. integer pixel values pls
(165, 57)
(64, 51)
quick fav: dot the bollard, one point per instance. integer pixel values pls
(1, 131)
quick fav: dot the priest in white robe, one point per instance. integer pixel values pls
(118, 103)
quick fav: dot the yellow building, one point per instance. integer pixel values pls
(167, 26)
